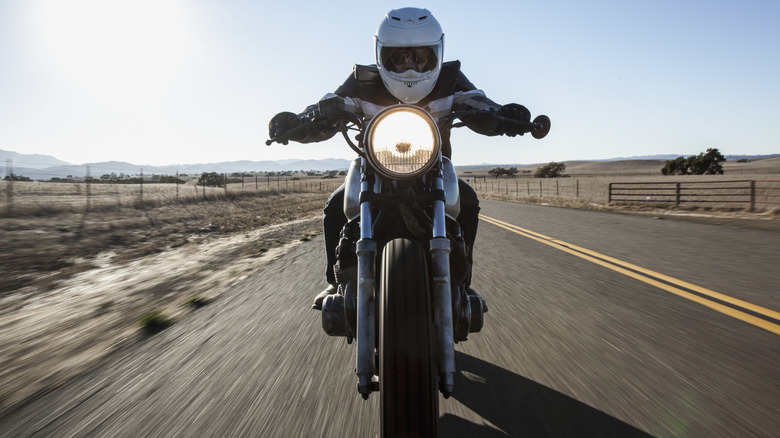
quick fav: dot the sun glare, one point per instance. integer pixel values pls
(116, 49)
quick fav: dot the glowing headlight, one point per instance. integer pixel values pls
(402, 142)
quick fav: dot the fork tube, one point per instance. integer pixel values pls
(439, 222)
(366, 305)
(442, 302)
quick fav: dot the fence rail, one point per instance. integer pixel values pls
(746, 193)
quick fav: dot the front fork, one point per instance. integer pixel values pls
(366, 295)
(442, 293)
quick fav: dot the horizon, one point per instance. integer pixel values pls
(284, 165)
(203, 79)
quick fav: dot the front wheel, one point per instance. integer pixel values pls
(407, 368)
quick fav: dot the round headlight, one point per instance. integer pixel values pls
(402, 142)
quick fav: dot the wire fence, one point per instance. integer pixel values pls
(574, 189)
(139, 190)
(45, 197)
(696, 191)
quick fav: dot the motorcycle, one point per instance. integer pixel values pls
(402, 266)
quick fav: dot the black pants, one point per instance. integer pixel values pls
(333, 221)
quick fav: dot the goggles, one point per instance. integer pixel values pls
(401, 59)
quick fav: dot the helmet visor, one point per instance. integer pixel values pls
(400, 59)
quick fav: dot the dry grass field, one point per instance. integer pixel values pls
(81, 266)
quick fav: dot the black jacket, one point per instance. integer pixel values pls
(365, 94)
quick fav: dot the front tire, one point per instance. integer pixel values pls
(407, 368)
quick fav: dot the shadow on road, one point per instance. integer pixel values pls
(517, 406)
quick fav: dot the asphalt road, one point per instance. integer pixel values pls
(576, 343)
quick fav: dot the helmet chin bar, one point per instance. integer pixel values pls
(409, 92)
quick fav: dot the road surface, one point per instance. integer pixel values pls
(600, 324)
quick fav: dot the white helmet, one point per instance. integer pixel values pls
(409, 50)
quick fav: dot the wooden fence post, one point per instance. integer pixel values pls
(677, 194)
(752, 195)
(9, 186)
(89, 188)
(609, 194)
(142, 186)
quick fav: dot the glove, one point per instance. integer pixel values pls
(515, 112)
(282, 123)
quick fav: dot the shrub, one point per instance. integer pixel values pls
(155, 321)
(214, 179)
(501, 171)
(15, 177)
(198, 301)
(550, 170)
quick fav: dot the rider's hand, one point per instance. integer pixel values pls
(515, 112)
(281, 123)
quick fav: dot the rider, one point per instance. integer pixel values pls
(409, 45)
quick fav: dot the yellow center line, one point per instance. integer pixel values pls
(666, 282)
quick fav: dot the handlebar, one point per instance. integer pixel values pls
(330, 114)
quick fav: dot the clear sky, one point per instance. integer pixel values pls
(160, 82)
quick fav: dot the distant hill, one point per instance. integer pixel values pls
(44, 167)
(30, 161)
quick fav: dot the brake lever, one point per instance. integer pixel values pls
(284, 138)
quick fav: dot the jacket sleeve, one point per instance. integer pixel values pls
(317, 133)
(468, 97)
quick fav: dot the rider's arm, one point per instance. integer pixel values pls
(468, 97)
(315, 132)
(321, 132)
(476, 100)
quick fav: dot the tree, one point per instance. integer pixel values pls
(169, 179)
(211, 179)
(15, 177)
(706, 163)
(501, 171)
(678, 166)
(496, 172)
(550, 170)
